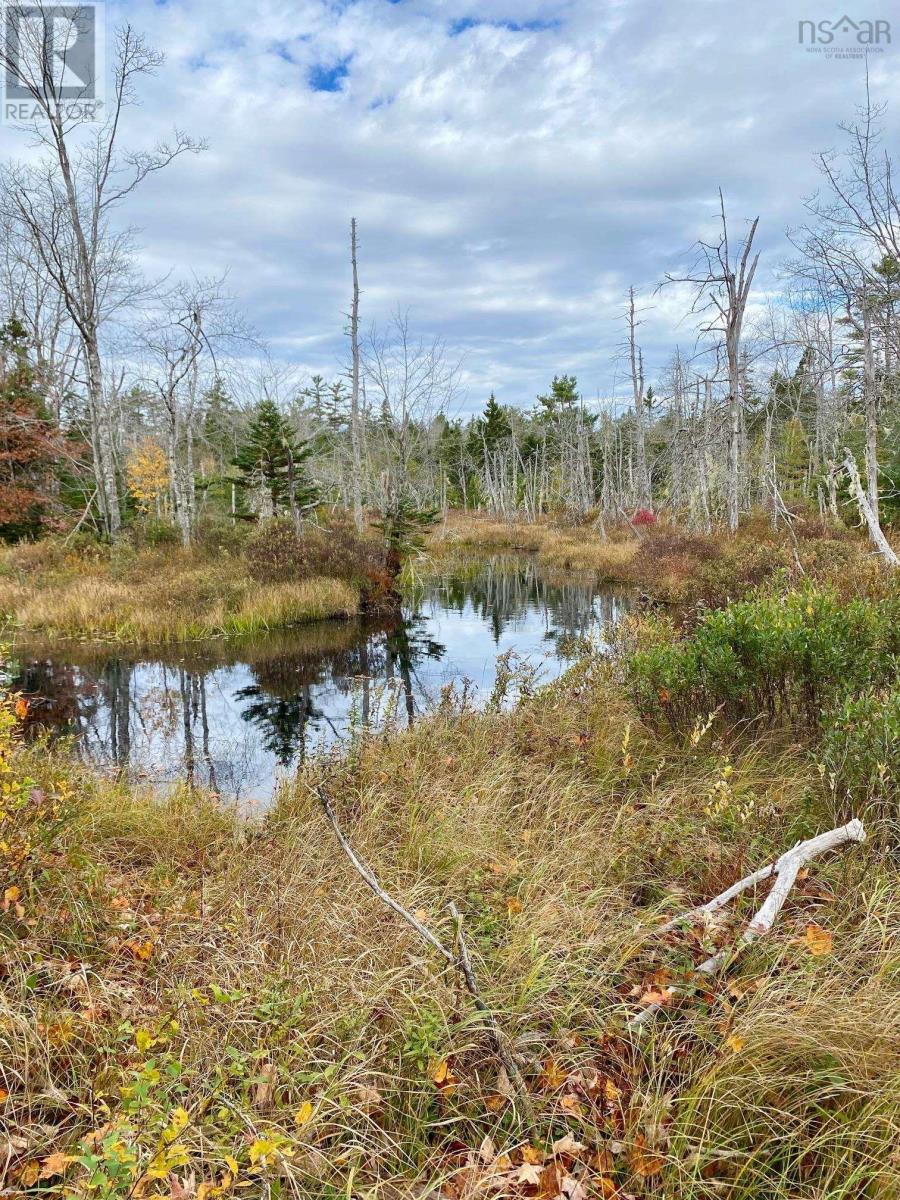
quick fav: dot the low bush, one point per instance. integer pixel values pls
(862, 751)
(278, 553)
(777, 656)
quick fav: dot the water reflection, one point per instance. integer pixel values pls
(239, 715)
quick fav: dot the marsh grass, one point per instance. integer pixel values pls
(562, 547)
(156, 596)
(213, 993)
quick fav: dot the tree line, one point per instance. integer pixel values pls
(125, 399)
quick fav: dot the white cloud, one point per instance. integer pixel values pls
(511, 179)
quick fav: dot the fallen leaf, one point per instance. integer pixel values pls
(735, 1042)
(529, 1173)
(818, 940)
(487, 1150)
(139, 950)
(643, 1162)
(304, 1113)
(568, 1147)
(552, 1075)
(655, 996)
(571, 1105)
(30, 1173)
(513, 905)
(55, 1164)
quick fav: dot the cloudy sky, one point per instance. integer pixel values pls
(514, 165)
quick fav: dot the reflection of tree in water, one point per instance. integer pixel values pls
(406, 645)
(281, 700)
(273, 697)
(506, 590)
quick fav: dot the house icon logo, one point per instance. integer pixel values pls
(844, 37)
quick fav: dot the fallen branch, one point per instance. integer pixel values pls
(880, 542)
(461, 960)
(785, 869)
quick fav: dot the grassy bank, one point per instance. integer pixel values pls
(198, 1005)
(671, 565)
(157, 595)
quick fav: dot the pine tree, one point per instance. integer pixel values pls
(272, 458)
(221, 421)
(30, 445)
(562, 398)
(492, 428)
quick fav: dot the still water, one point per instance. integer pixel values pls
(238, 716)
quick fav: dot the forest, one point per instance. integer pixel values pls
(629, 930)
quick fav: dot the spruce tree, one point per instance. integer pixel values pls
(272, 457)
(492, 427)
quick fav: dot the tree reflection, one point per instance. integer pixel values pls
(226, 714)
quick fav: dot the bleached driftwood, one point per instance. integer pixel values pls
(879, 541)
(461, 960)
(785, 869)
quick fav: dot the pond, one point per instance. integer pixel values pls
(237, 716)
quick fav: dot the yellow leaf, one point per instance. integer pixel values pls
(30, 1173)
(513, 905)
(304, 1113)
(231, 1163)
(262, 1151)
(178, 1122)
(735, 1042)
(143, 1039)
(552, 1075)
(818, 940)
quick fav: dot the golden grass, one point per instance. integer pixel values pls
(574, 548)
(156, 597)
(310, 1019)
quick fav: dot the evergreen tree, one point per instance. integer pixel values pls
(221, 422)
(492, 428)
(273, 458)
(562, 398)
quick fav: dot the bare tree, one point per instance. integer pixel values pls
(355, 423)
(636, 363)
(63, 202)
(723, 276)
(194, 322)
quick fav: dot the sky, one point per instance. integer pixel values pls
(514, 165)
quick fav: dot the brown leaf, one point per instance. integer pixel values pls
(552, 1076)
(265, 1087)
(643, 1162)
(55, 1164)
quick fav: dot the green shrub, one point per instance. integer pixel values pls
(771, 656)
(156, 532)
(862, 749)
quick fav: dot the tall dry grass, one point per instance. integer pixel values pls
(155, 596)
(232, 988)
